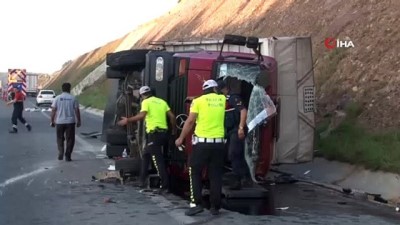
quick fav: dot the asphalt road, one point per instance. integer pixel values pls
(36, 188)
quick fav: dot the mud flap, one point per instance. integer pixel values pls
(127, 60)
(115, 74)
(109, 111)
(129, 166)
(116, 136)
(115, 150)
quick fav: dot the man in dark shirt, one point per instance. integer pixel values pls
(18, 101)
(235, 125)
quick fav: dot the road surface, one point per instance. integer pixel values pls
(36, 188)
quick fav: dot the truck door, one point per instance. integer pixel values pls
(168, 78)
(158, 72)
(178, 91)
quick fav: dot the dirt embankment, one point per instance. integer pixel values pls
(368, 73)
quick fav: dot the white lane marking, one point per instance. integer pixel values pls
(30, 182)
(23, 176)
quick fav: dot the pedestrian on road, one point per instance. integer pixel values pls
(65, 115)
(18, 101)
(207, 112)
(155, 112)
(235, 125)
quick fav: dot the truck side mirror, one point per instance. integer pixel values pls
(252, 42)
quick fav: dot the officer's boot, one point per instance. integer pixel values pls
(14, 130)
(247, 182)
(194, 210)
(28, 126)
(236, 183)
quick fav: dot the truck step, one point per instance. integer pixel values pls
(255, 192)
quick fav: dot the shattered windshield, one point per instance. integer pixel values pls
(260, 107)
(242, 71)
(259, 99)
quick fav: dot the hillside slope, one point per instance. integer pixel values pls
(368, 73)
(76, 70)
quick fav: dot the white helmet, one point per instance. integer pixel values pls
(144, 89)
(209, 84)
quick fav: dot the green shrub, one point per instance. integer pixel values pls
(95, 96)
(352, 143)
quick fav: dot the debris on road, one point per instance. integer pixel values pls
(101, 156)
(282, 208)
(285, 179)
(93, 134)
(111, 168)
(347, 190)
(108, 200)
(94, 178)
(108, 177)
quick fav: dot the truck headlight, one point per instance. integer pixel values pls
(159, 69)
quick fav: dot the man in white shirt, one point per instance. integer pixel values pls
(64, 116)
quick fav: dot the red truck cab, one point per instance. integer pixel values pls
(177, 77)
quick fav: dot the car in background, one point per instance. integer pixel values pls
(45, 97)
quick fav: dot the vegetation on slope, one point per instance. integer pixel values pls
(353, 143)
(95, 96)
(74, 80)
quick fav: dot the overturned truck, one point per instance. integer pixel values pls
(279, 69)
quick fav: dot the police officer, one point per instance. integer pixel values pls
(207, 112)
(235, 122)
(18, 101)
(155, 112)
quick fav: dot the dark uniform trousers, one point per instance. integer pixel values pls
(212, 156)
(235, 146)
(17, 114)
(236, 154)
(65, 132)
(153, 152)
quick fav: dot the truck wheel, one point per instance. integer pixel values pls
(128, 166)
(116, 137)
(115, 74)
(127, 59)
(115, 150)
